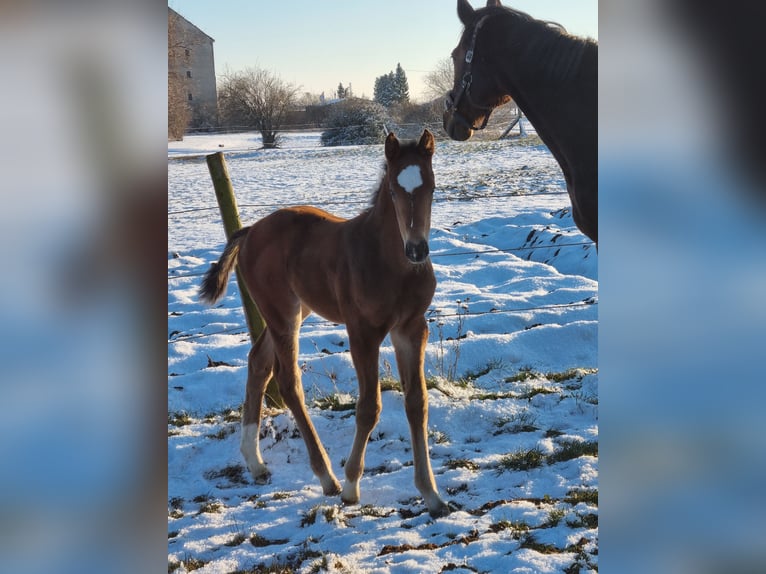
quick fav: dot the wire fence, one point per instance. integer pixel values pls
(431, 315)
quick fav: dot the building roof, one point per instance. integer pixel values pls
(190, 24)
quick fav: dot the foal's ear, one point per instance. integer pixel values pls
(426, 143)
(493, 3)
(465, 12)
(392, 146)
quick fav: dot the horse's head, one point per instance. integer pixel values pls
(411, 184)
(475, 92)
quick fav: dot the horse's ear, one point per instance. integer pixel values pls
(465, 12)
(392, 146)
(426, 143)
(493, 3)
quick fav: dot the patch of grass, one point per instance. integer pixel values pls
(238, 539)
(261, 541)
(310, 516)
(438, 437)
(336, 402)
(223, 432)
(388, 383)
(330, 513)
(210, 507)
(456, 463)
(587, 520)
(492, 365)
(529, 541)
(520, 422)
(516, 527)
(319, 565)
(233, 416)
(189, 564)
(521, 460)
(554, 517)
(571, 449)
(370, 510)
(181, 419)
(586, 495)
(536, 391)
(280, 495)
(233, 473)
(569, 374)
(524, 374)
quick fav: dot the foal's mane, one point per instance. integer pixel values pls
(558, 53)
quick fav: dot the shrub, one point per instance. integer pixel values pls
(356, 121)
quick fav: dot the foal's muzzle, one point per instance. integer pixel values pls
(416, 252)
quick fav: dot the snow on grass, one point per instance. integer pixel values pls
(511, 365)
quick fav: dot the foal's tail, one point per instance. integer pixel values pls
(217, 277)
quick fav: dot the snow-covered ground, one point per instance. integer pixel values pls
(511, 362)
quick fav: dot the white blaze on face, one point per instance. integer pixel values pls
(410, 178)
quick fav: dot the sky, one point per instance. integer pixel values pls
(317, 45)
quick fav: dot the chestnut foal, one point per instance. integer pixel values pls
(373, 274)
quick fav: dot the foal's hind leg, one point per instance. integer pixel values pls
(409, 344)
(284, 330)
(260, 365)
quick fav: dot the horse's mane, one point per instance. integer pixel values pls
(546, 43)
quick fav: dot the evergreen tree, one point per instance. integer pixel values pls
(392, 88)
(401, 87)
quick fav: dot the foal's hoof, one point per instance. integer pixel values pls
(440, 510)
(261, 473)
(331, 487)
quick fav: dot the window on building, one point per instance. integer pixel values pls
(188, 53)
(188, 73)
(190, 97)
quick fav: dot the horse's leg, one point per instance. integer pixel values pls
(364, 353)
(260, 365)
(284, 331)
(409, 342)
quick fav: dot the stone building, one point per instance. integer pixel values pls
(191, 72)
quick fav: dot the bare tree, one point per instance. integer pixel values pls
(439, 81)
(258, 99)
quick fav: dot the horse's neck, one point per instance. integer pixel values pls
(542, 75)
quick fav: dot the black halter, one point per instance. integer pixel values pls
(465, 87)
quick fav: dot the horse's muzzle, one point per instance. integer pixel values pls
(416, 252)
(456, 126)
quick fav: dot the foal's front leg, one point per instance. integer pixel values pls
(364, 353)
(410, 345)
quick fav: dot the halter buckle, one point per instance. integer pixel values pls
(469, 56)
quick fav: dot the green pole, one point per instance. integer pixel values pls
(227, 203)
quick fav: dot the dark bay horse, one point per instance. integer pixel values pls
(372, 273)
(552, 77)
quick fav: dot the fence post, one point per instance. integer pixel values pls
(227, 203)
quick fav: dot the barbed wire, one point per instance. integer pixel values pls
(431, 315)
(367, 201)
(437, 254)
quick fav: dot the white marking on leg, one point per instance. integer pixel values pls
(249, 448)
(410, 178)
(350, 494)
